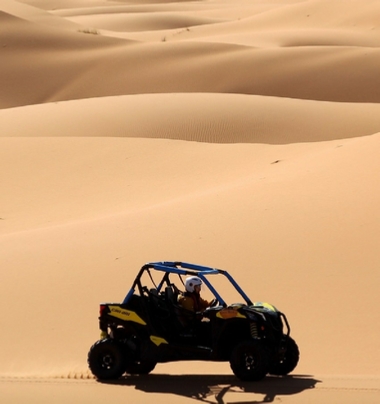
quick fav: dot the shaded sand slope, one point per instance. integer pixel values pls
(48, 53)
(32, 14)
(290, 231)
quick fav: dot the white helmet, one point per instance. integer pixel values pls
(192, 281)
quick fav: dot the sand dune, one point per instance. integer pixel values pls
(243, 135)
(72, 60)
(214, 118)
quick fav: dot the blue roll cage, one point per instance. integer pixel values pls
(185, 268)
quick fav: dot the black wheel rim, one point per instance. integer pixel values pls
(250, 362)
(107, 361)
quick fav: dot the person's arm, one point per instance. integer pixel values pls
(204, 303)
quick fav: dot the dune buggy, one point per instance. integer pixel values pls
(150, 327)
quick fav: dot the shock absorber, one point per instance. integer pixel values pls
(254, 332)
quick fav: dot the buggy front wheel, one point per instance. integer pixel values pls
(250, 360)
(287, 360)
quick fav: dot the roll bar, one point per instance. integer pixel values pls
(185, 268)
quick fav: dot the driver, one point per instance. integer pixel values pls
(191, 300)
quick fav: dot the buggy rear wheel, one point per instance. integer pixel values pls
(106, 360)
(250, 361)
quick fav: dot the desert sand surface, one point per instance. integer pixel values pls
(242, 135)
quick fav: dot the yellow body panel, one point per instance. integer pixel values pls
(158, 340)
(229, 312)
(124, 314)
(265, 305)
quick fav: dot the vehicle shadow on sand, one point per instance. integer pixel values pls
(215, 388)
